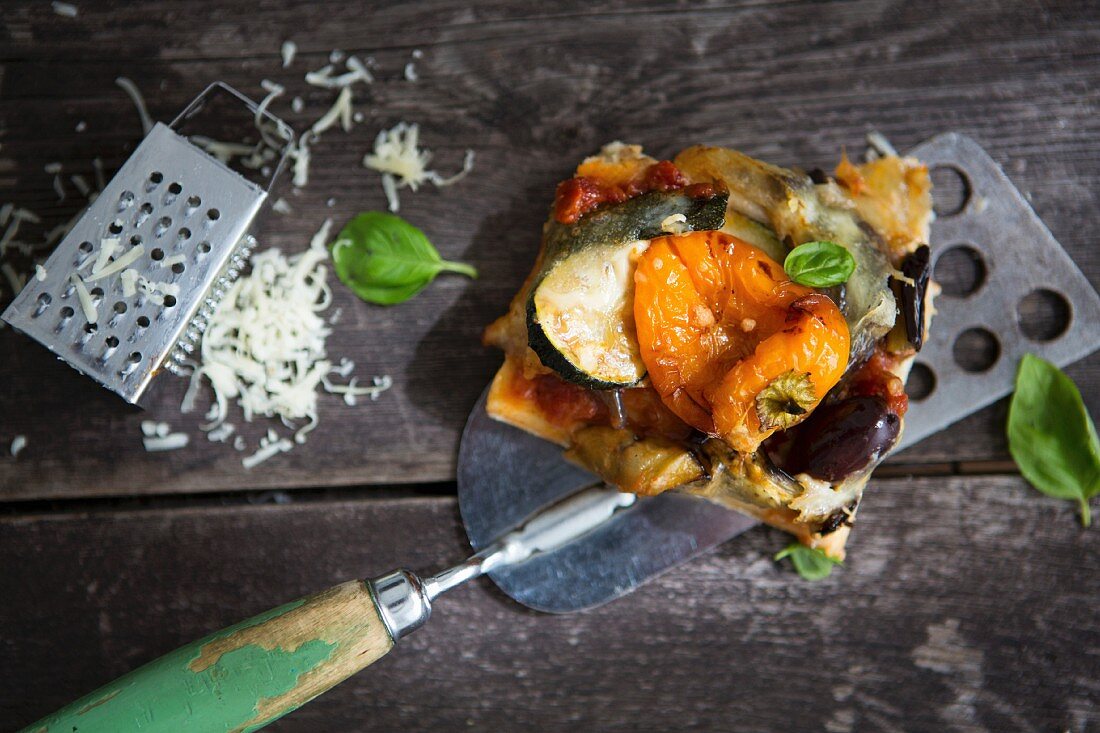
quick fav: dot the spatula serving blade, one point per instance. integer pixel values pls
(506, 475)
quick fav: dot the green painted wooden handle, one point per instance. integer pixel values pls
(240, 678)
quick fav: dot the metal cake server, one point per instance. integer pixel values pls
(550, 536)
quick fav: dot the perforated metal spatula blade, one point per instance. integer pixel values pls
(506, 475)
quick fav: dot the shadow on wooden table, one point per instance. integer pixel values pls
(434, 375)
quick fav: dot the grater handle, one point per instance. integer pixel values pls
(245, 676)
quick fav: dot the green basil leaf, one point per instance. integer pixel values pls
(819, 264)
(385, 260)
(811, 563)
(1051, 436)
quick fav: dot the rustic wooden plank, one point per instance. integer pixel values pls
(964, 605)
(531, 90)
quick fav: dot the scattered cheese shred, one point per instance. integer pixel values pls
(340, 110)
(81, 185)
(39, 273)
(129, 280)
(171, 441)
(398, 157)
(131, 89)
(221, 433)
(18, 444)
(85, 298)
(268, 448)
(281, 206)
(301, 156)
(157, 292)
(120, 264)
(356, 72)
(288, 51)
(65, 10)
(674, 224)
(107, 247)
(100, 181)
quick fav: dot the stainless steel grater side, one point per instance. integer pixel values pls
(175, 221)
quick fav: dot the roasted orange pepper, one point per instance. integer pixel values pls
(733, 347)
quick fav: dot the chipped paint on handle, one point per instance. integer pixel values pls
(242, 677)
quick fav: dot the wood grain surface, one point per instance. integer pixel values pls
(530, 90)
(965, 605)
(967, 602)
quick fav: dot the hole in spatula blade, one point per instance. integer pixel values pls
(1043, 314)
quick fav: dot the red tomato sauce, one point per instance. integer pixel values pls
(578, 196)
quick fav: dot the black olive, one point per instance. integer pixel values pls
(843, 438)
(819, 176)
(917, 267)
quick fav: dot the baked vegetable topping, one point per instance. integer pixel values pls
(734, 347)
(580, 315)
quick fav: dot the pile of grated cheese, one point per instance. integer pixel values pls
(264, 348)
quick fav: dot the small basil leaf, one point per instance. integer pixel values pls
(386, 260)
(1051, 436)
(819, 264)
(811, 563)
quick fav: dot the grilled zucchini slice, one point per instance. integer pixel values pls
(580, 319)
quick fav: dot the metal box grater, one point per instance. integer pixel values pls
(169, 199)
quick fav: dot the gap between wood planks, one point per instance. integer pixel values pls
(439, 489)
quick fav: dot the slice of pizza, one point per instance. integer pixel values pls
(660, 341)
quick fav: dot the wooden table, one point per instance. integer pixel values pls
(968, 601)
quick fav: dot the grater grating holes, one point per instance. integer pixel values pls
(144, 212)
(126, 200)
(163, 224)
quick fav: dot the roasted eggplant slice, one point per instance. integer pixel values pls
(580, 312)
(911, 292)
